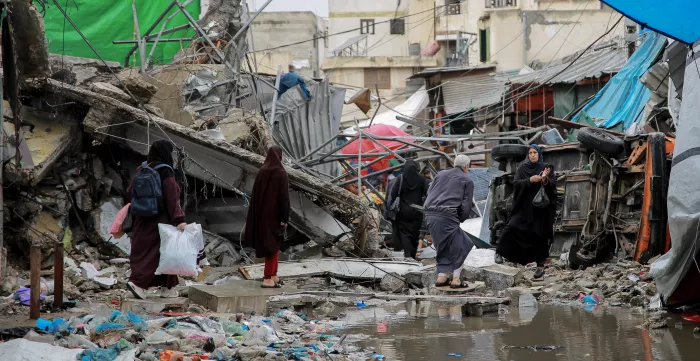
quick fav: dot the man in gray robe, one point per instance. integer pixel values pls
(448, 204)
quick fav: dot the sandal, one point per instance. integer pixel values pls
(461, 284)
(442, 284)
(277, 285)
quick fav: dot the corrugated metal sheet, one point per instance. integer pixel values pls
(593, 65)
(482, 179)
(302, 126)
(472, 92)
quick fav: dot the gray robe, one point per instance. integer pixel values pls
(448, 204)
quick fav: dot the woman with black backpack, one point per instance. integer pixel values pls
(155, 198)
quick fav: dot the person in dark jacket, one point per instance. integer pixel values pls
(145, 238)
(268, 214)
(527, 235)
(448, 204)
(395, 240)
(411, 188)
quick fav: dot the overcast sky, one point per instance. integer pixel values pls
(320, 7)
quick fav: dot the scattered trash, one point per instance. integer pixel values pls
(454, 354)
(591, 300)
(534, 348)
(633, 278)
(361, 305)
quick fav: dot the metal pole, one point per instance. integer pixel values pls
(275, 96)
(359, 159)
(142, 47)
(160, 33)
(247, 24)
(202, 33)
(58, 275)
(35, 286)
(320, 146)
(128, 55)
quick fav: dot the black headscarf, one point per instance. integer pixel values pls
(527, 169)
(161, 152)
(411, 177)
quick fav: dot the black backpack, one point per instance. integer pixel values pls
(147, 191)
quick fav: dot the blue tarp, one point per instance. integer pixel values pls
(674, 18)
(623, 98)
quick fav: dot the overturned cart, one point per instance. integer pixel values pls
(207, 159)
(611, 195)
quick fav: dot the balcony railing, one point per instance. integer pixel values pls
(501, 3)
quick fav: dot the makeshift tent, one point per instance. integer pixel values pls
(674, 18)
(622, 99)
(677, 273)
(408, 109)
(369, 146)
(105, 21)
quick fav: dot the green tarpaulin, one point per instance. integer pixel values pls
(105, 21)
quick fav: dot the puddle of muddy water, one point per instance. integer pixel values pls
(415, 332)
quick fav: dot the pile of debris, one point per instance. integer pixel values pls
(105, 334)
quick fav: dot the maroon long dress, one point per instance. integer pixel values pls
(269, 206)
(145, 239)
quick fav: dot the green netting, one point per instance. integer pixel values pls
(103, 21)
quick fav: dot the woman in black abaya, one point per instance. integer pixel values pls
(527, 235)
(412, 189)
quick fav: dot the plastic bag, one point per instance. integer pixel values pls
(116, 229)
(541, 199)
(178, 250)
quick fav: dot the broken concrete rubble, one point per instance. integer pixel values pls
(32, 48)
(342, 268)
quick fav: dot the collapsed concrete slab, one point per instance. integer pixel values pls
(372, 269)
(47, 141)
(210, 160)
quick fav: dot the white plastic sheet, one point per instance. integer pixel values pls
(178, 250)
(25, 350)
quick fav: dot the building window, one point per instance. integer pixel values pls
(366, 26)
(398, 26)
(379, 76)
(453, 7)
(484, 46)
(501, 3)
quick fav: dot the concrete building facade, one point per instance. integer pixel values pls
(507, 33)
(272, 32)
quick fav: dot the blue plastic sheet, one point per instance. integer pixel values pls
(674, 18)
(622, 99)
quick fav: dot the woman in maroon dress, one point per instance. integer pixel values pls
(268, 214)
(145, 239)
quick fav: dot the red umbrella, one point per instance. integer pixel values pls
(369, 146)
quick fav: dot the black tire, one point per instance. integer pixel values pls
(604, 142)
(504, 152)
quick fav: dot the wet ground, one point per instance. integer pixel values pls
(411, 332)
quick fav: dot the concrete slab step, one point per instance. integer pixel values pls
(235, 296)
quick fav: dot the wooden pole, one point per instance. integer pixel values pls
(58, 276)
(35, 293)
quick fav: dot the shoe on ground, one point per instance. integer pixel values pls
(498, 259)
(169, 293)
(539, 273)
(137, 291)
